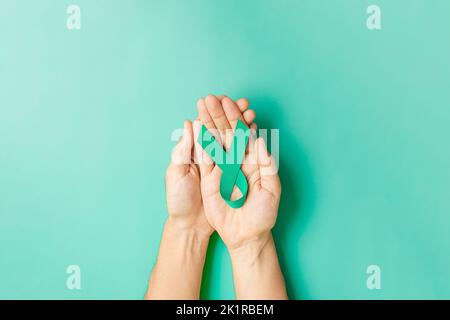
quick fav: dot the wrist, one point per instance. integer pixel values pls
(256, 270)
(252, 251)
(177, 227)
(180, 262)
(195, 224)
(184, 245)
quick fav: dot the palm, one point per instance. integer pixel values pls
(184, 201)
(183, 191)
(256, 216)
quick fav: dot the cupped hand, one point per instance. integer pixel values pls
(255, 219)
(184, 201)
(183, 191)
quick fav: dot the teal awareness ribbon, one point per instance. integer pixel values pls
(229, 162)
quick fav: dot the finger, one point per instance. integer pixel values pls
(252, 138)
(203, 160)
(250, 162)
(243, 104)
(220, 97)
(268, 168)
(250, 168)
(204, 115)
(232, 112)
(249, 116)
(215, 109)
(182, 153)
(207, 120)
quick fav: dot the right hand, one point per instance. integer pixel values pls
(254, 220)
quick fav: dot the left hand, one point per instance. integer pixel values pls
(184, 201)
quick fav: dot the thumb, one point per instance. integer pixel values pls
(268, 168)
(203, 160)
(182, 152)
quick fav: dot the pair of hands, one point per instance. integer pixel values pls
(196, 209)
(193, 180)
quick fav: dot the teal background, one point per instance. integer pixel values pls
(86, 118)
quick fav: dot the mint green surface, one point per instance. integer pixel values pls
(229, 162)
(86, 118)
